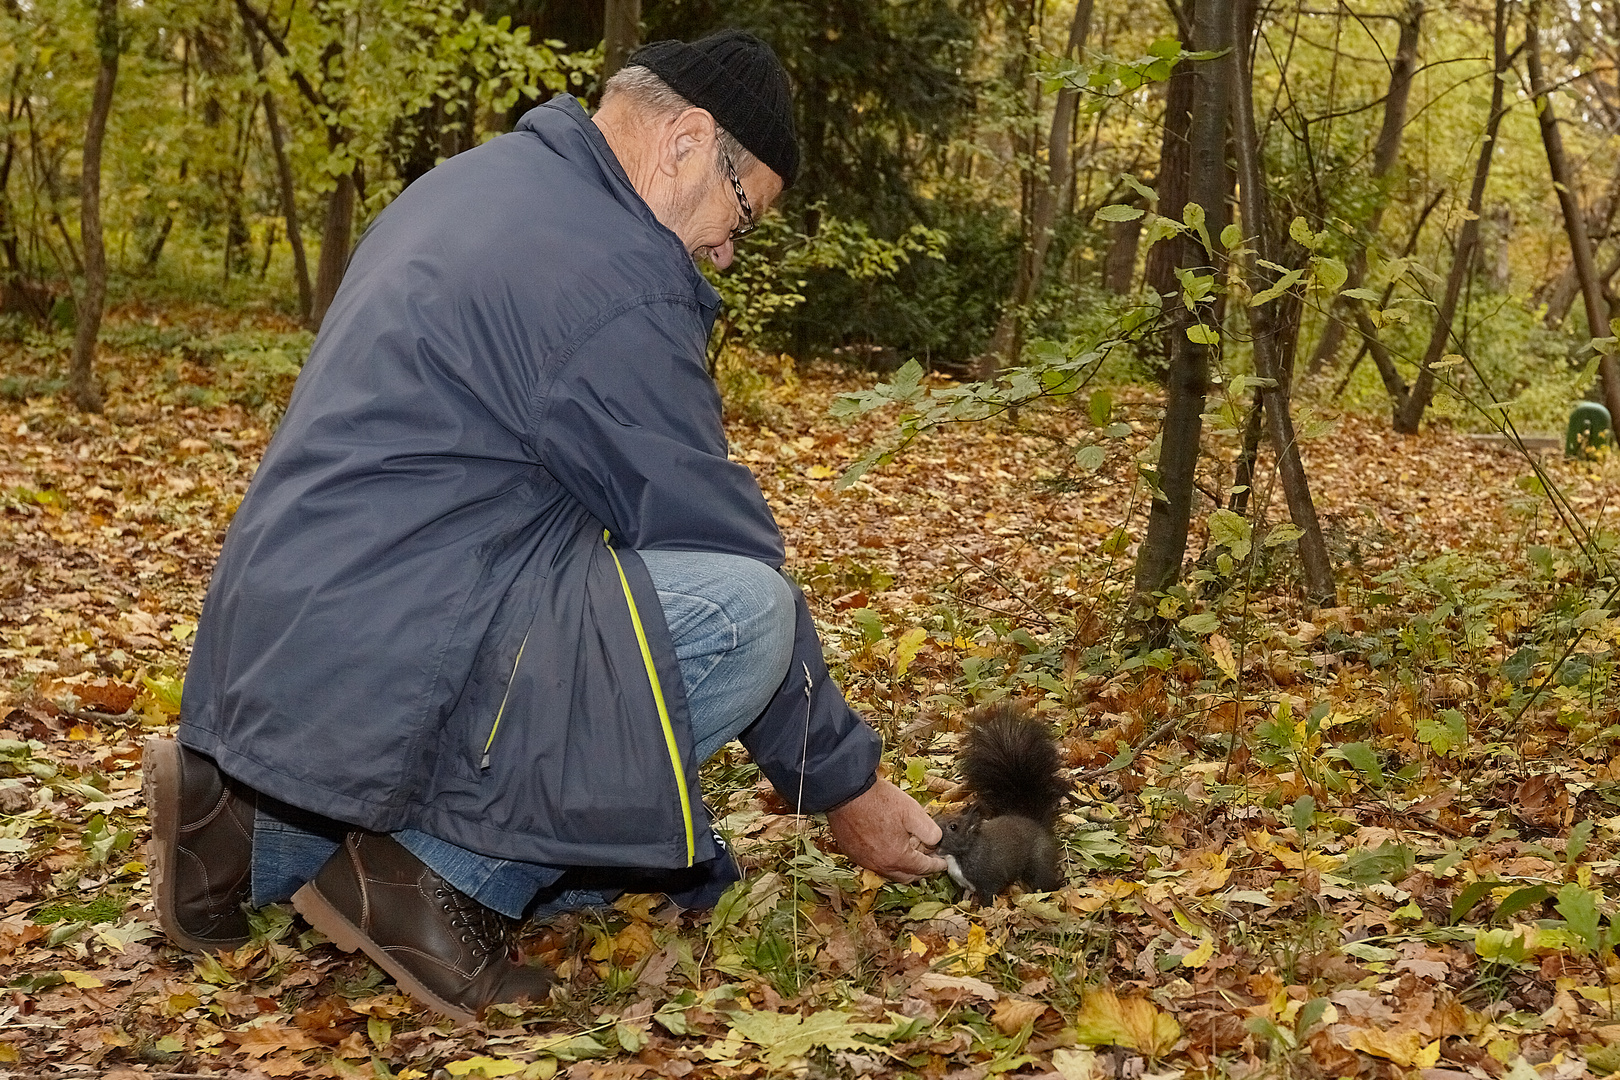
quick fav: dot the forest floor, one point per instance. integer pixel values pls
(1379, 838)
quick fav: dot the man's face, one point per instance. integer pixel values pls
(707, 210)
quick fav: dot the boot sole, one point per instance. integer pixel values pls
(160, 783)
(323, 916)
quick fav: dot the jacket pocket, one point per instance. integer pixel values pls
(500, 713)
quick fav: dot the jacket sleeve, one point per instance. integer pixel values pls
(815, 750)
(628, 422)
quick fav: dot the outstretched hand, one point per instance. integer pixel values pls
(885, 830)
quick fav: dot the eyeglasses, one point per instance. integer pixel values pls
(749, 224)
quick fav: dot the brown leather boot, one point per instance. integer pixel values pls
(201, 852)
(444, 948)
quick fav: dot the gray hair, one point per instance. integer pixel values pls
(653, 97)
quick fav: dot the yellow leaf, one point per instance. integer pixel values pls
(918, 946)
(820, 472)
(486, 1066)
(1405, 1048)
(179, 1003)
(1207, 872)
(1105, 1019)
(906, 649)
(1221, 650)
(1293, 860)
(82, 979)
(1199, 956)
(635, 939)
(972, 955)
(639, 906)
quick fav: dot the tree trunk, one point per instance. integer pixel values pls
(1268, 321)
(338, 231)
(285, 185)
(86, 394)
(1562, 291)
(1119, 265)
(623, 33)
(1409, 413)
(17, 293)
(336, 237)
(1385, 152)
(1046, 194)
(1173, 186)
(1580, 246)
(1248, 456)
(1370, 342)
(1158, 560)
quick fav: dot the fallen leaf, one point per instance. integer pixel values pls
(258, 1042)
(1105, 1019)
(1012, 1014)
(1407, 1048)
(785, 1036)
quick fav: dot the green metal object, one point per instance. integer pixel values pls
(1589, 428)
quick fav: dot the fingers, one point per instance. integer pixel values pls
(912, 867)
(886, 831)
(924, 828)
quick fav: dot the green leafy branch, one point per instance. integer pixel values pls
(1054, 370)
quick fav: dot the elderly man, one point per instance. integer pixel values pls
(496, 590)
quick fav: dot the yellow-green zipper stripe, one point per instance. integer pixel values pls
(484, 764)
(658, 699)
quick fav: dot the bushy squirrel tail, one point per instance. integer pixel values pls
(1010, 763)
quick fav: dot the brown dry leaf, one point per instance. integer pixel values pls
(1216, 1031)
(1541, 801)
(97, 693)
(271, 1038)
(1207, 872)
(658, 966)
(20, 883)
(840, 950)
(954, 987)
(1011, 1014)
(1333, 1058)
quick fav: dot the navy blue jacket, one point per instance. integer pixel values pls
(429, 611)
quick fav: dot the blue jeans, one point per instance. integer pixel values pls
(731, 619)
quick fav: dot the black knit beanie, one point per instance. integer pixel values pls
(739, 80)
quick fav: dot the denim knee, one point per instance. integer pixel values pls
(773, 600)
(732, 620)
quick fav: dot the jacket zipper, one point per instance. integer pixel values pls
(484, 763)
(658, 700)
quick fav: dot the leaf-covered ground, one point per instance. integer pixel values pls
(1374, 839)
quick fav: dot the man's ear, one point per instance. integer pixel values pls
(693, 131)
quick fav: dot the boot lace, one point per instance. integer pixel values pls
(487, 930)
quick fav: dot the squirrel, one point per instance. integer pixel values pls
(1010, 766)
